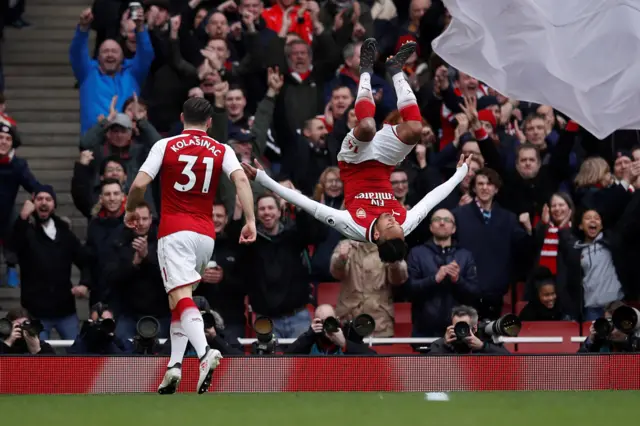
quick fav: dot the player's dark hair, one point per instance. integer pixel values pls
(110, 181)
(392, 250)
(197, 110)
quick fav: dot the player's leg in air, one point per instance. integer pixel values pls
(182, 274)
(388, 233)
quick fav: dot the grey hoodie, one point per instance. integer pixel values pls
(600, 280)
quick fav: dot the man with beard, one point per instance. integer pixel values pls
(274, 268)
(133, 277)
(46, 249)
(104, 227)
(311, 153)
(110, 74)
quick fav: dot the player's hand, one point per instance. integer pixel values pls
(131, 219)
(249, 170)
(248, 233)
(466, 161)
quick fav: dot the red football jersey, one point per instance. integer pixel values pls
(189, 166)
(368, 193)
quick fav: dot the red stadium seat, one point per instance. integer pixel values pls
(402, 320)
(564, 329)
(519, 306)
(328, 293)
(585, 328)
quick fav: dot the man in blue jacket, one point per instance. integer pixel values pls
(110, 75)
(494, 236)
(441, 276)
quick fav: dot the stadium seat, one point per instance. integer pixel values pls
(328, 293)
(585, 328)
(519, 306)
(564, 329)
(402, 320)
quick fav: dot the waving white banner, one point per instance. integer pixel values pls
(580, 56)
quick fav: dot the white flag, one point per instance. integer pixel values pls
(582, 57)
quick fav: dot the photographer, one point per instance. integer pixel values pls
(464, 342)
(213, 330)
(320, 341)
(20, 335)
(604, 337)
(98, 334)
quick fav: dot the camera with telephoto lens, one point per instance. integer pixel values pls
(508, 325)
(354, 330)
(31, 326)
(145, 341)
(625, 319)
(266, 339)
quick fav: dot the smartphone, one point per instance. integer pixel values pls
(135, 10)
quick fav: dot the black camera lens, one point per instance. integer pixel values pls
(330, 325)
(208, 320)
(107, 325)
(462, 330)
(263, 327)
(602, 327)
(32, 327)
(148, 327)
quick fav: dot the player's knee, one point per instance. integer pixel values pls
(366, 129)
(178, 294)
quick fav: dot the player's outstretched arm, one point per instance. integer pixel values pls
(243, 189)
(315, 209)
(435, 197)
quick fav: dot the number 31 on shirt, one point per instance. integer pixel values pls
(188, 172)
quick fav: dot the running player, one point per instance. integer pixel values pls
(189, 166)
(366, 160)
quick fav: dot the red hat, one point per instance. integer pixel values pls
(488, 115)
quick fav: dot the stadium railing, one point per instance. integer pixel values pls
(372, 341)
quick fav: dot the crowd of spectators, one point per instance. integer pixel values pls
(544, 202)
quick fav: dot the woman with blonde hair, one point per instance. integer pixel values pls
(596, 189)
(328, 191)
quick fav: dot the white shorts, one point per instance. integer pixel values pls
(183, 257)
(385, 148)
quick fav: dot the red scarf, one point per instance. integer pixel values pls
(103, 213)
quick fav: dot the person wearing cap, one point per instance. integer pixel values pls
(14, 173)
(46, 249)
(110, 74)
(114, 137)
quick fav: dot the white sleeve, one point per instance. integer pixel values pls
(332, 217)
(230, 161)
(432, 199)
(153, 162)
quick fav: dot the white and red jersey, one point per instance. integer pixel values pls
(367, 195)
(189, 166)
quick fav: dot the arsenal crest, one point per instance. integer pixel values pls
(361, 214)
